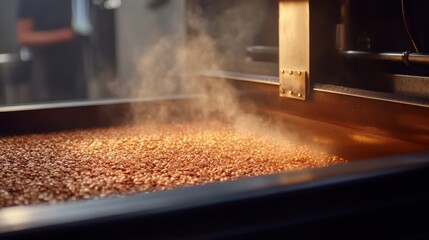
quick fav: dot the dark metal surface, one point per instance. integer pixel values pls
(406, 85)
(263, 53)
(44, 117)
(406, 57)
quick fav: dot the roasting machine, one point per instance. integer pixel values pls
(350, 76)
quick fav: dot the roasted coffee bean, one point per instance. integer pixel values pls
(105, 162)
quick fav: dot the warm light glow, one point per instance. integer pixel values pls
(13, 217)
(322, 140)
(366, 139)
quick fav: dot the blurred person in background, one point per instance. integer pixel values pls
(45, 27)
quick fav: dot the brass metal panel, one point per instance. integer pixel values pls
(293, 84)
(294, 39)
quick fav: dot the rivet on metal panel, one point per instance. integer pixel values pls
(294, 84)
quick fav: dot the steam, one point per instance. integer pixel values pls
(167, 70)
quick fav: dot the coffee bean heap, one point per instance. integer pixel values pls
(104, 162)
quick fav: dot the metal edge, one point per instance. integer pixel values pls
(255, 78)
(379, 96)
(88, 103)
